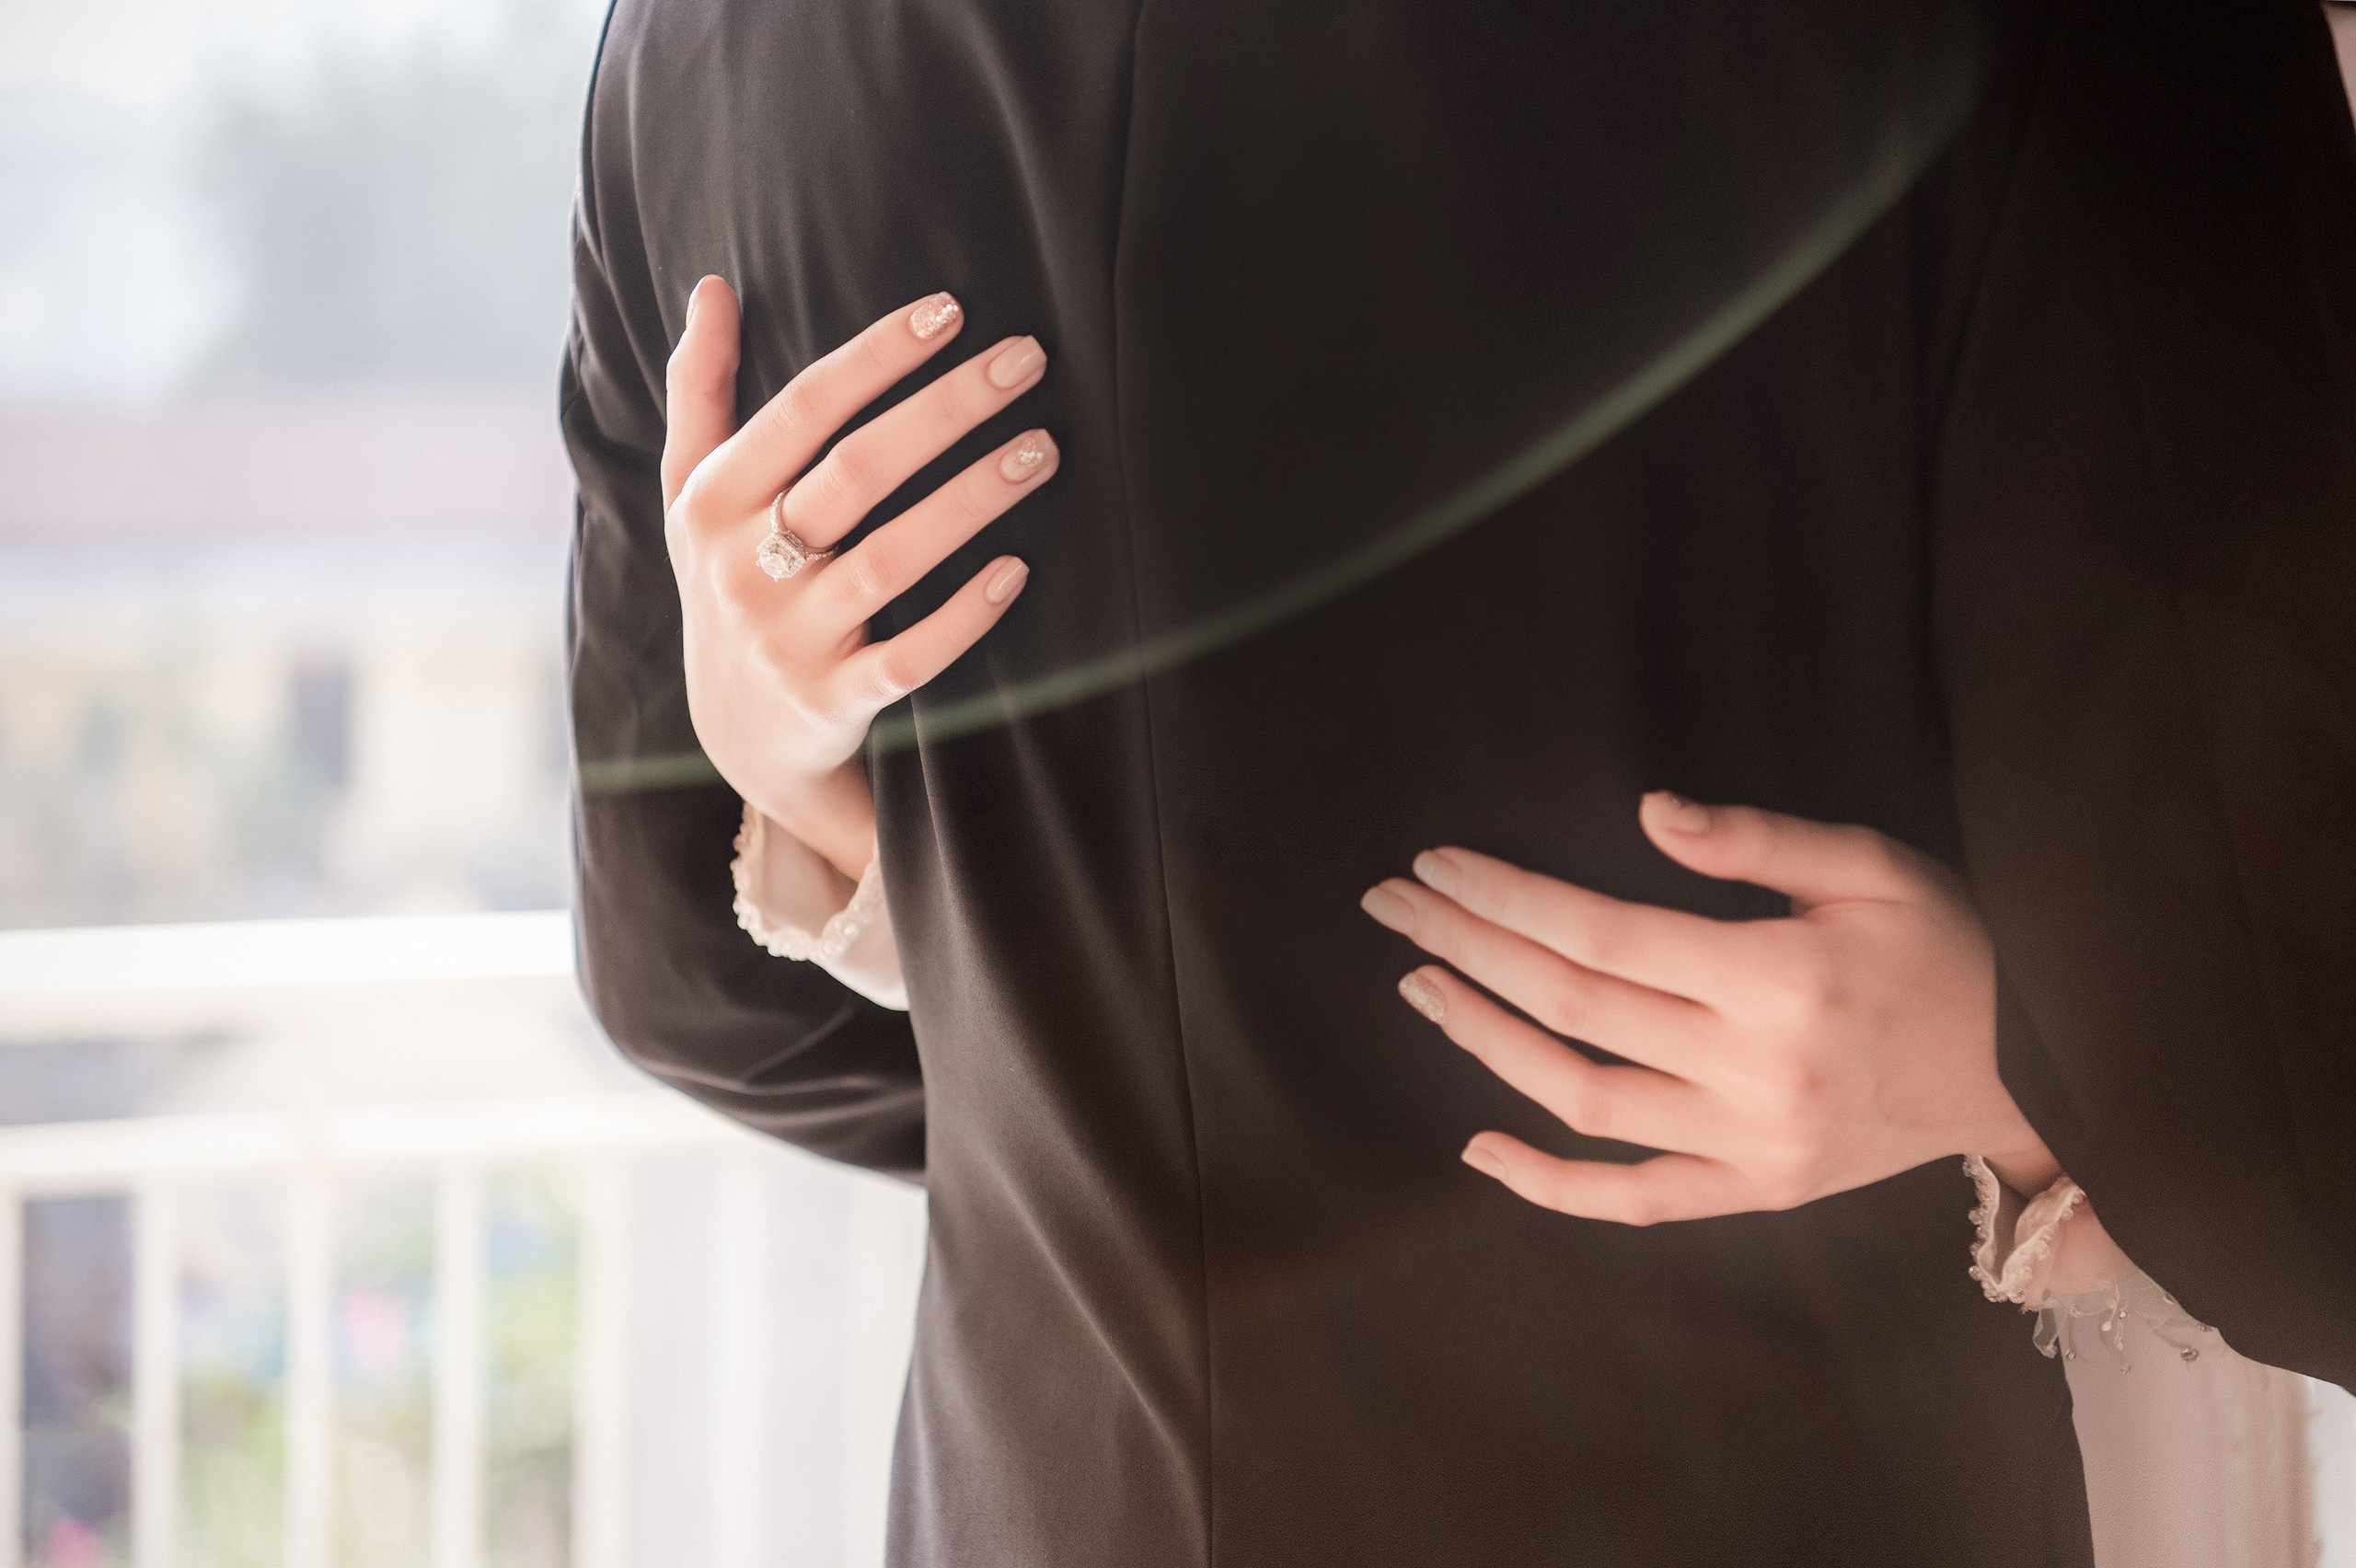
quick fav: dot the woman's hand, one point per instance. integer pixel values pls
(782, 682)
(1777, 1060)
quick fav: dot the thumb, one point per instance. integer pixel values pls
(700, 399)
(1813, 862)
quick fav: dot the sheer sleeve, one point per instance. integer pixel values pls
(2144, 569)
(785, 1048)
(2195, 1455)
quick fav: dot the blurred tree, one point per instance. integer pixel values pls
(403, 215)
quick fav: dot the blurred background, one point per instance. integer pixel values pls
(330, 1231)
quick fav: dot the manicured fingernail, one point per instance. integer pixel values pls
(1016, 362)
(1424, 996)
(1681, 816)
(933, 317)
(1026, 456)
(1007, 583)
(1476, 1155)
(1436, 869)
(695, 298)
(1388, 908)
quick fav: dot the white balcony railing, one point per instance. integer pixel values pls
(758, 1347)
(307, 1156)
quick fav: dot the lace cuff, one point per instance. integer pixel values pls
(2014, 1259)
(2016, 1244)
(798, 906)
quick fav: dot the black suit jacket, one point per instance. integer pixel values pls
(2020, 533)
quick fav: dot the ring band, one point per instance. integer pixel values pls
(785, 552)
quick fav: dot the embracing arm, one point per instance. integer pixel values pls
(783, 1047)
(703, 641)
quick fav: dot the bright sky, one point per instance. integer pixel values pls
(148, 51)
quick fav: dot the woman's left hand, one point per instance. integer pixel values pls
(1778, 1061)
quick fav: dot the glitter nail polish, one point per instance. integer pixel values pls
(1425, 997)
(1025, 457)
(933, 317)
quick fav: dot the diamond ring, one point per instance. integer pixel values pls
(785, 552)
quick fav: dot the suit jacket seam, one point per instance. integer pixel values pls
(1161, 849)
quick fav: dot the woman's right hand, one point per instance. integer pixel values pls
(782, 682)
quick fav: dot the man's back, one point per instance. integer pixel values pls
(1206, 1283)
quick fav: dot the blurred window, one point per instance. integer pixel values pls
(331, 1232)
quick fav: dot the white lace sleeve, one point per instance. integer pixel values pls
(798, 906)
(2195, 1455)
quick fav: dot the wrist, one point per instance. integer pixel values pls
(833, 813)
(2028, 1170)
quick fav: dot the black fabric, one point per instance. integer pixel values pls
(2146, 612)
(1207, 1283)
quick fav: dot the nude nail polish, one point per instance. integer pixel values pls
(1389, 909)
(1424, 996)
(1478, 1156)
(1680, 815)
(1016, 362)
(1026, 457)
(933, 317)
(1007, 583)
(1439, 872)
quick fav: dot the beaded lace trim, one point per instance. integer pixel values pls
(2005, 1276)
(843, 928)
(2093, 1322)
(2096, 1322)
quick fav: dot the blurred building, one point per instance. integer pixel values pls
(280, 660)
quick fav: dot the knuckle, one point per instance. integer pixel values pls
(1564, 1008)
(689, 506)
(1805, 984)
(968, 508)
(771, 656)
(1785, 1187)
(849, 472)
(725, 581)
(966, 401)
(870, 574)
(1641, 1206)
(1601, 944)
(1877, 856)
(1585, 1108)
(790, 411)
(818, 708)
(892, 679)
(1797, 1087)
(1790, 1152)
(679, 372)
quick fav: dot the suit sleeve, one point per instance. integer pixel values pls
(777, 1044)
(2145, 603)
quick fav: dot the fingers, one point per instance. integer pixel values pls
(1667, 950)
(1629, 1019)
(1632, 1105)
(778, 442)
(876, 460)
(1815, 863)
(858, 584)
(1669, 1187)
(699, 396)
(883, 672)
